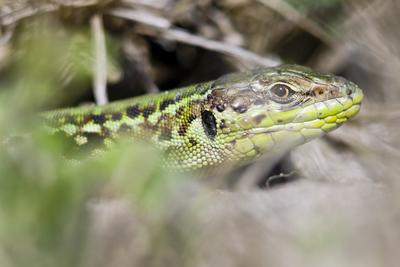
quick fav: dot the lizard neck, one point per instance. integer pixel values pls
(161, 117)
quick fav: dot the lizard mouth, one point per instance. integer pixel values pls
(325, 116)
(310, 122)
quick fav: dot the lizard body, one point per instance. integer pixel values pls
(238, 117)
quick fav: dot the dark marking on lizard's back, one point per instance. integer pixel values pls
(147, 111)
(186, 116)
(165, 103)
(116, 116)
(93, 139)
(72, 150)
(180, 113)
(133, 111)
(165, 124)
(99, 118)
(86, 119)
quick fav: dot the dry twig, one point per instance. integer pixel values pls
(100, 62)
(163, 27)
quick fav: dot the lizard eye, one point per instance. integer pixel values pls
(282, 90)
(281, 93)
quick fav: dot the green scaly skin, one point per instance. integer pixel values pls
(238, 117)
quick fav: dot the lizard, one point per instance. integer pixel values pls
(236, 118)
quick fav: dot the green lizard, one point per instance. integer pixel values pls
(238, 117)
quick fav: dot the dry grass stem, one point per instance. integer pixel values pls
(100, 62)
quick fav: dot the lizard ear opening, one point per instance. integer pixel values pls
(209, 124)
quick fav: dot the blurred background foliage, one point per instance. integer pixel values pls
(336, 203)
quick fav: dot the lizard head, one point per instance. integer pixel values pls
(277, 108)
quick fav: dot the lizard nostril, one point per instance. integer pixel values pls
(318, 91)
(349, 91)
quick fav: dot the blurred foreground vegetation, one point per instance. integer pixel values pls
(124, 209)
